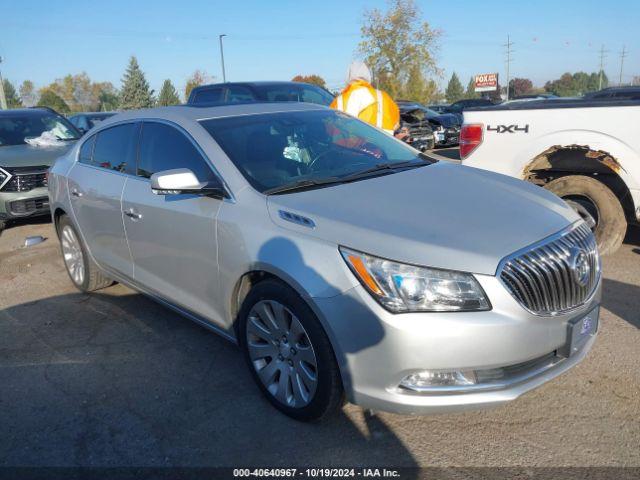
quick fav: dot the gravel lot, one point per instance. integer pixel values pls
(113, 379)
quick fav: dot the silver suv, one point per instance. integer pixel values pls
(343, 262)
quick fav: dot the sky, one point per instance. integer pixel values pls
(277, 39)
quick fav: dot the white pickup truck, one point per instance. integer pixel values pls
(585, 151)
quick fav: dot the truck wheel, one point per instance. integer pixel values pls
(597, 205)
(82, 270)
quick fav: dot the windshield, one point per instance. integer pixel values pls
(295, 93)
(19, 128)
(279, 149)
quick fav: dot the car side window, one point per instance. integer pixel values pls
(209, 95)
(86, 151)
(163, 147)
(238, 94)
(115, 148)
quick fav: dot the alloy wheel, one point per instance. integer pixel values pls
(281, 353)
(72, 253)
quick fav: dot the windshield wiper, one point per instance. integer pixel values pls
(384, 167)
(381, 167)
(301, 185)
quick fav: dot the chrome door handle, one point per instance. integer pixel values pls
(131, 213)
(76, 193)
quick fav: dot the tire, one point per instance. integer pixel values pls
(279, 365)
(86, 275)
(590, 197)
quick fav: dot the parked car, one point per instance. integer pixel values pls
(459, 106)
(342, 261)
(445, 126)
(85, 121)
(585, 151)
(30, 141)
(615, 93)
(243, 92)
(419, 129)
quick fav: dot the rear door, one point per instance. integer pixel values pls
(96, 182)
(173, 237)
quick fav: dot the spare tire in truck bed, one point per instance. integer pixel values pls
(597, 204)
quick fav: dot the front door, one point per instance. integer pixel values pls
(96, 182)
(173, 237)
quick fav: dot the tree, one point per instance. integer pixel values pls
(454, 91)
(28, 93)
(135, 92)
(520, 86)
(397, 45)
(107, 97)
(168, 94)
(49, 98)
(312, 79)
(196, 79)
(471, 89)
(13, 101)
(579, 83)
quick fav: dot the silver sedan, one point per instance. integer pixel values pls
(344, 263)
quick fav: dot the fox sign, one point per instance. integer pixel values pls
(486, 82)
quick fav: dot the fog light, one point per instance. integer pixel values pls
(430, 379)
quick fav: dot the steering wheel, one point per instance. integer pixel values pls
(318, 157)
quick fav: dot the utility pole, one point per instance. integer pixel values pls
(509, 51)
(3, 99)
(623, 54)
(603, 55)
(224, 76)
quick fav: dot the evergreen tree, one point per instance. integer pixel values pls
(454, 91)
(168, 94)
(13, 101)
(471, 89)
(135, 91)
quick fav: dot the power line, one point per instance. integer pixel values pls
(603, 55)
(509, 59)
(623, 54)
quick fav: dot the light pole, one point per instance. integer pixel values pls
(224, 76)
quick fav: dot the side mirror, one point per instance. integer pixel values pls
(183, 180)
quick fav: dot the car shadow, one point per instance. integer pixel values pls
(621, 299)
(633, 237)
(113, 378)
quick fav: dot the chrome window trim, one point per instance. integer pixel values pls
(550, 239)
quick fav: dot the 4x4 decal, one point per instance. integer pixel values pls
(508, 128)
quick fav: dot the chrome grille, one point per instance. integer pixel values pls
(545, 279)
(24, 179)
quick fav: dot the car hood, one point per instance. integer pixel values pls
(28, 155)
(443, 215)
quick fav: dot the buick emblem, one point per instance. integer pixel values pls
(580, 267)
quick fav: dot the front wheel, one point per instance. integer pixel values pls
(598, 207)
(288, 352)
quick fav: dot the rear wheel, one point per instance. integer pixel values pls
(288, 352)
(598, 207)
(82, 270)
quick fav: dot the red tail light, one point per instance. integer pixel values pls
(470, 138)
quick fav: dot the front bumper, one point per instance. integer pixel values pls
(24, 204)
(376, 350)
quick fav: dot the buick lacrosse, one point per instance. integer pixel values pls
(344, 263)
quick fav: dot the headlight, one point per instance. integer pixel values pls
(407, 288)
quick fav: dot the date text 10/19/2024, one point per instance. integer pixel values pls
(316, 473)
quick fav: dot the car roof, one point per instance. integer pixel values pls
(194, 113)
(266, 83)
